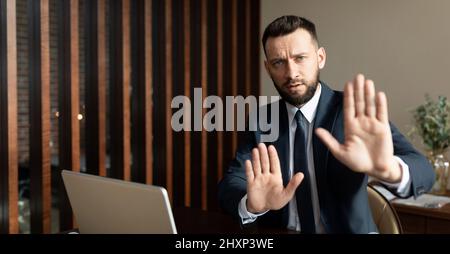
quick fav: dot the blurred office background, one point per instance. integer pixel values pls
(86, 85)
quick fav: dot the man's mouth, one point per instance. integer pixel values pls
(293, 87)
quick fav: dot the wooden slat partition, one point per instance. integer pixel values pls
(153, 51)
(69, 127)
(96, 87)
(120, 90)
(8, 118)
(39, 68)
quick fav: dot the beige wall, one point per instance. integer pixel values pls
(403, 45)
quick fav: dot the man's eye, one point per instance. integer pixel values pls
(277, 63)
(300, 58)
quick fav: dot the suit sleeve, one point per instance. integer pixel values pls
(421, 172)
(233, 187)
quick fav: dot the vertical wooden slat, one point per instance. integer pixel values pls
(220, 84)
(196, 105)
(211, 68)
(120, 90)
(75, 83)
(241, 51)
(204, 81)
(8, 118)
(101, 58)
(12, 115)
(248, 34)
(255, 49)
(69, 127)
(168, 55)
(148, 93)
(142, 147)
(234, 66)
(159, 104)
(177, 90)
(39, 67)
(226, 80)
(126, 68)
(187, 90)
(96, 87)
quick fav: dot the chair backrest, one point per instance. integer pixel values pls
(384, 215)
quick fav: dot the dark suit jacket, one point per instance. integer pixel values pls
(344, 206)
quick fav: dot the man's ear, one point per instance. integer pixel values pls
(266, 65)
(322, 57)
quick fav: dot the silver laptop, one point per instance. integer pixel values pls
(109, 206)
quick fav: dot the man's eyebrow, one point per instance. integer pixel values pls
(300, 54)
(276, 59)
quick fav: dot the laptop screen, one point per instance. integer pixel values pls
(110, 206)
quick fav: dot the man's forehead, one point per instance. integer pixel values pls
(296, 42)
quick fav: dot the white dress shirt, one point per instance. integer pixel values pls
(309, 111)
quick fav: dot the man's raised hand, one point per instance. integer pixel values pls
(368, 146)
(265, 190)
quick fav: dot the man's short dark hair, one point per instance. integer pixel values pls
(288, 24)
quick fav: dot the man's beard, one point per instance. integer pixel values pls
(299, 100)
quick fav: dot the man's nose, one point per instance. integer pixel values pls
(292, 71)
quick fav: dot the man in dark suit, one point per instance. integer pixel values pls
(313, 178)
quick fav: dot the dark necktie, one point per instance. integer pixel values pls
(303, 192)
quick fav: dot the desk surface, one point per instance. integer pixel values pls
(196, 221)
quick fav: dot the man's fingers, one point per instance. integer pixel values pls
(293, 184)
(249, 171)
(256, 162)
(264, 157)
(369, 95)
(329, 141)
(358, 86)
(274, 160)
(349, 102)
(382, 108)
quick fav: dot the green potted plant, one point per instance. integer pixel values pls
(432, 124)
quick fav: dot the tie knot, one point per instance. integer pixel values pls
(299, 117)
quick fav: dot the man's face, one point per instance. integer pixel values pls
(293, 63)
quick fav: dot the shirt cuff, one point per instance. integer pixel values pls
(403, 187)
(246, 216)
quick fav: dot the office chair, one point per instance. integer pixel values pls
(384, 215)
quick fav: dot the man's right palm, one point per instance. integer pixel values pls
(265, 190)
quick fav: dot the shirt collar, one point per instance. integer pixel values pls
(308, 109)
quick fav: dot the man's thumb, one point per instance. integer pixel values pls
(294, 183)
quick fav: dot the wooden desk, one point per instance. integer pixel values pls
(419, 220)
(196, 221)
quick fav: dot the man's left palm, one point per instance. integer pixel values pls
(367, 147)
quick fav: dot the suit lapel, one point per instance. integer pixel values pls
(282, 143)
(326, 115)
